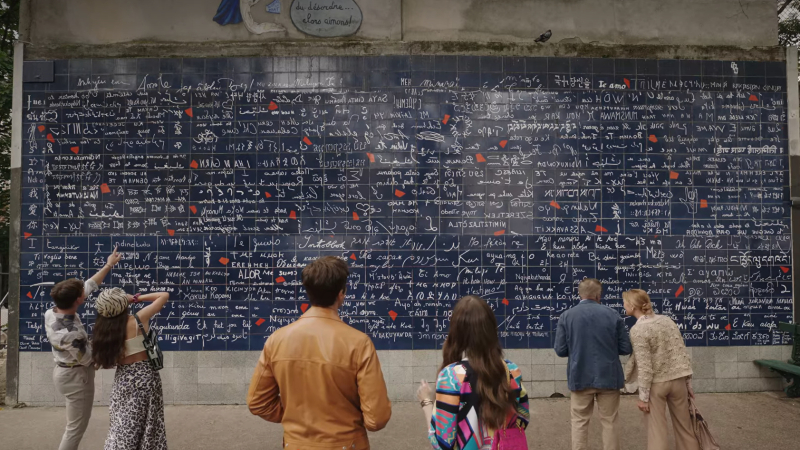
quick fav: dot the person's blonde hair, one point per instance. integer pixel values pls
(590, 288)
(638, 299)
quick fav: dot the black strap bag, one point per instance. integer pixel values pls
(150, 338)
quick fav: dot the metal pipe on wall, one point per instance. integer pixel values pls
(793, 124)
(12, 356)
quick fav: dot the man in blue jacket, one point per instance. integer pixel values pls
(593, 336)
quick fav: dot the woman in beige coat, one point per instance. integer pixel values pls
(663, 370)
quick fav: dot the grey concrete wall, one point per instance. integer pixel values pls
(116, 21)
(738, 23)
(223, 377)
(745, 23)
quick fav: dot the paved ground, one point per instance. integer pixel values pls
(740, 422)
(3, 320)
(2, 376)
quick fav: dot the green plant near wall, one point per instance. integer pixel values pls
(9, 25)
(789, 22)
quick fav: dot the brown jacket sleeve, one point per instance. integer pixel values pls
(375, 405)
(264, 397)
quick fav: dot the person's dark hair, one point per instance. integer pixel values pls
(108, 340)
(473, 333)
(65, 293)
(324, 279)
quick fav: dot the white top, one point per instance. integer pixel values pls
(134, 345)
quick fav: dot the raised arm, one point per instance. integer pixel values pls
(112, 261)
(375, 405)
(158, 299)
(623, 338)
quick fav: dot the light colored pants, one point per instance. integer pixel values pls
(675, 395)
(582, 403)
(77, 386)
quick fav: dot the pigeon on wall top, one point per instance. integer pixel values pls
(544, 36)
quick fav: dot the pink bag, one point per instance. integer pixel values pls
(510, 438)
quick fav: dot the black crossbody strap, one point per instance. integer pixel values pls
(150, 341)
(145, 336)
(472, 398)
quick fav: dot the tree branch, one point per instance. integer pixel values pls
(784, 5)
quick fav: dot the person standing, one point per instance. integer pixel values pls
(137, 400)
(318, 377)
(664, 372)
(478, 392)
(74, 373)
(593, 337)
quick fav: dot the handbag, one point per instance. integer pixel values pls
(631, 376)
(150, 339)
(513, 438)
(701, 430)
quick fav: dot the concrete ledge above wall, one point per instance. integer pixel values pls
(207, 378)
(740, 23)
(745, 23)
(368, 48)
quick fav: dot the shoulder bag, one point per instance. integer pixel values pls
(631, 376)
(701, 431)
(150, 338)
(510, 438)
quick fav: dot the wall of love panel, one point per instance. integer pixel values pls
(434, 177)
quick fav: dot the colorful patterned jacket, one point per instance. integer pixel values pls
(455, 423)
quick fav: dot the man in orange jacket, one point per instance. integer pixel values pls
(319, 377)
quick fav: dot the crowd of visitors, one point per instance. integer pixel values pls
(322, 380)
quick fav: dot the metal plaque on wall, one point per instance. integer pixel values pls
(326, 18)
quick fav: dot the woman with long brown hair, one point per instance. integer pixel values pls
(478, 392)
(137, 400)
